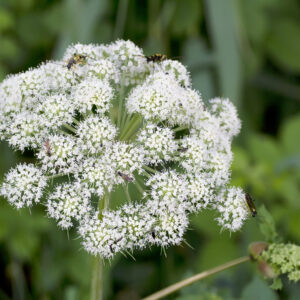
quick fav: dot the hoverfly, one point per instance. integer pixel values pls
(48, 147)
(251, 205)
(125, 177)
(76, 59)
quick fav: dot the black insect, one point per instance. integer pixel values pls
(114, 243)
(76, 59)
(157, 57)
(251, 205)
(153, 234)
(182, 150)
(125, 177)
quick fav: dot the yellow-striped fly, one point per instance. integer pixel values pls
(76, 59)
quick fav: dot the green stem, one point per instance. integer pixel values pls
(149, 169)
(56, 176)
(98, 269)
(127, 193)
(131, 127)
(179, 285)
(125, 117)
(180, 128)
(75, 121)
(138, 186)
(97, 279)
(72, 129)
(121, 98)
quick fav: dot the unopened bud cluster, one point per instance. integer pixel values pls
(105, 116)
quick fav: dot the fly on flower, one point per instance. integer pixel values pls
(125, 177)
(48, 147)
(76, 58)
(251, 205)
(157, 57)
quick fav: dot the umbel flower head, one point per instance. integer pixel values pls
(104, 119)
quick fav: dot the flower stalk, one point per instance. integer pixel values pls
(181, 284)
(97, 279)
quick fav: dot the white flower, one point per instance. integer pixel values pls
(201, 194)
(59, 154)
(57, 110)
(169, 190)
(95, 133)
(106, 116)
(98, 174)
(157, 98)
(129, 60)
(23, 185)
(169, 228)
(11, 95)
(27, 130)
(90, 93)
(233, 208)
(227, 115)
(101, 235)
(67, 202)
(103, 70)
(58, 77)
(126, 158)
(159, 144)
(90, 51)
(176, 69)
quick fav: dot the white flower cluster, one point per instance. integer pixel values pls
(24, 185)
(158, 143)
(233, 208)
(108, 116)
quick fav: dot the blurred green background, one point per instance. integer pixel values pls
(248, 51)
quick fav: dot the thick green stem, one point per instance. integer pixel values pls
(97, 279)
(149, 169)
(56, 176)
(131, 127)
(70, 128)
(179, 285)
(180, 128)
(121, 110)
(98, 270)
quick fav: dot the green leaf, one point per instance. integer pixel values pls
(277, 284)
(283, 43)
(289, 190)
(264, 149)
(290, 132)
(6, 20)
(257, 289)
(267, 225)
(222, 28)
(9, 49)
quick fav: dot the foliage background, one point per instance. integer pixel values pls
(248, 51)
